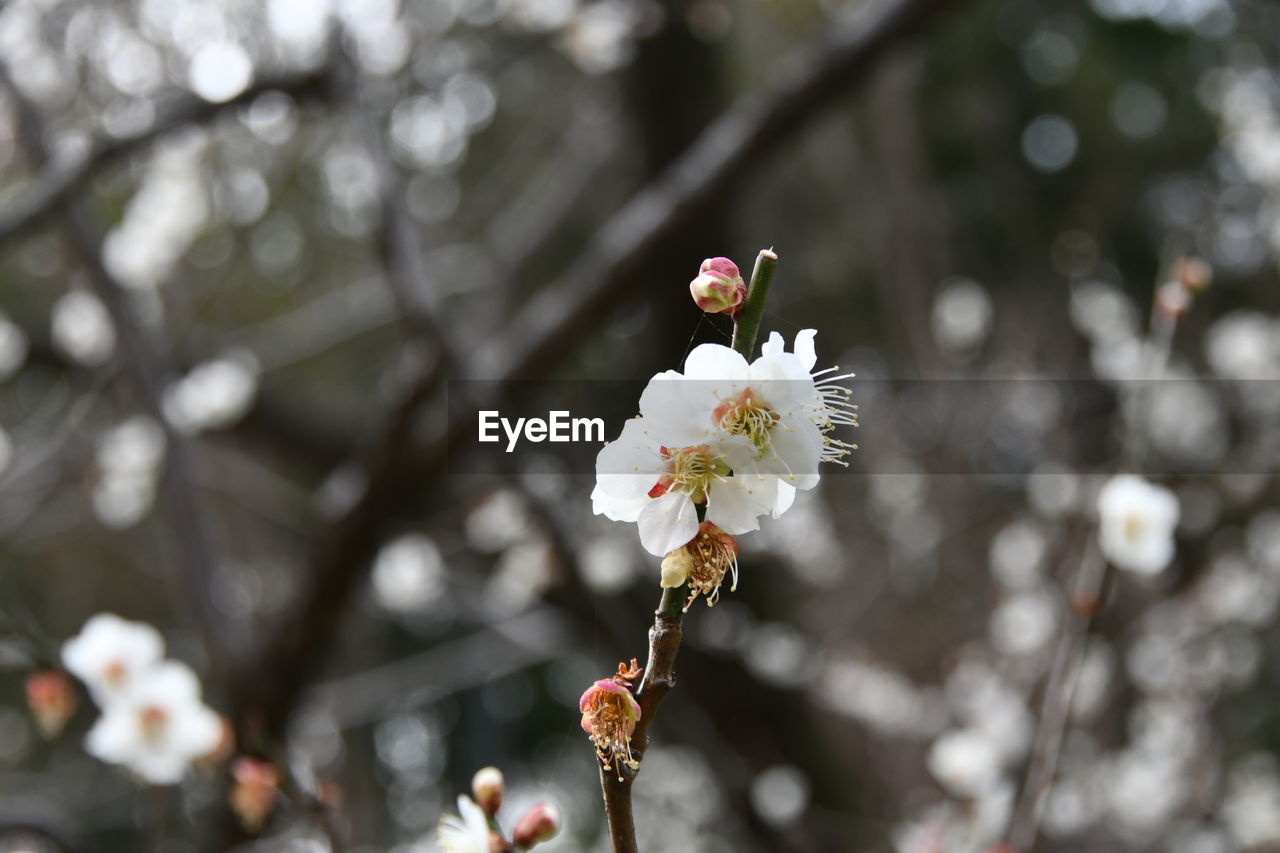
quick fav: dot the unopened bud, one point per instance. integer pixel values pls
(487, 786)
(1173, 298)
(52, 700)
(540, 823)
(1194, 273)
(719, 288)
(253, 796)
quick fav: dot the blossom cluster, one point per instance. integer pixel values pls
(718, 446)
(474, 828)
(153, 719)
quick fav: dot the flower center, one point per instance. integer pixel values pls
(1133, 528)
(689, 469)
(703, 561)
(114, 673)
(153, 721)
(746, 414)
(612, 722)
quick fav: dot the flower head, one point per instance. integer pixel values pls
(52, 701)
(110, 653)
(658, 485)
(540, 823)
(159, 727)
(253, 796)
(488, 786)
(703, 562)
(609, 715)
(719, 288)
(466, 832)
(1136, 524)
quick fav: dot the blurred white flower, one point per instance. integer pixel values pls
(600, 37)
(967, 762)
(962, 315)
(408, 573)
(1024, 622)
(159, 727)
(219, 71)
(128, 458)
(214, 394)
(466, 832)
(1136, 524)
(1244, 345)
(1251, 807)
(162, 218)
(110, 653)
(82, 329)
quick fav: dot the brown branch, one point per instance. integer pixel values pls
(659, 678)
(58, 184)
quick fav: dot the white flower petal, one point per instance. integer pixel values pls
(667, 523)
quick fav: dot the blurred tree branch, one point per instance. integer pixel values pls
(59, 183)
(551, 325)
(143, 370)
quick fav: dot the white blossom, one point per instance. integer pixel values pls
(159, 727)
(216, 393)
(468, 833)
(640, 479)
(110, 653)
(1136, 524)
(82, 329)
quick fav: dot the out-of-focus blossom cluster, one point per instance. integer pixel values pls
(153, 721)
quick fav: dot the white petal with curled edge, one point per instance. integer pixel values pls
(667, 523)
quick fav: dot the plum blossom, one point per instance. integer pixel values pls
(609, 716)
(1136, 524)
(740, 437)
(465, 832)
(657, 484)
(703, 562)
(110, 654)
(159, 727)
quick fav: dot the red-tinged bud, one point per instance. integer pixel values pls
(1173, 298)
(719, 288)
(1193, 273)
(487, 786)
(540, 823)
(253, 796)
(52, 700)
(609, 715)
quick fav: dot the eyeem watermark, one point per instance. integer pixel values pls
(558, 427)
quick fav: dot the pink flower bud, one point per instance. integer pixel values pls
(487, 786)
(1173, 298)
(1194, 273)
(253, 796)
(52, 701)
(719, 288)
(540, 823)
(609, 715)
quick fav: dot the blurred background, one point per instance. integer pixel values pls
(245, 246)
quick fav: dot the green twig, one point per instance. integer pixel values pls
(746, 324)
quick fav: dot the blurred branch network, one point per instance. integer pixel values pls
(249, 250)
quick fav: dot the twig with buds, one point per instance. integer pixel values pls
(1172, 299)
(616, 712)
